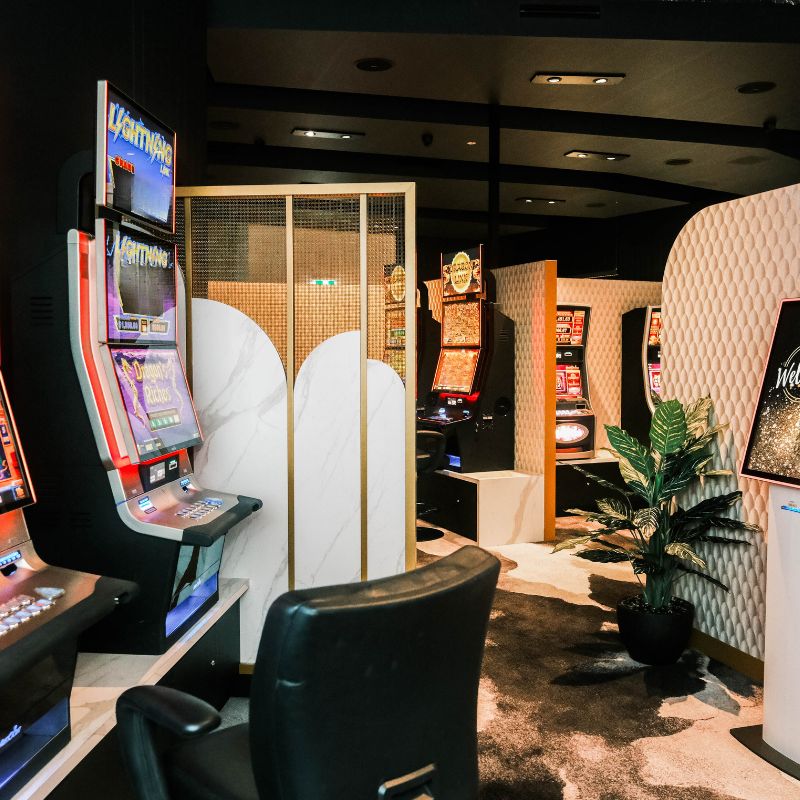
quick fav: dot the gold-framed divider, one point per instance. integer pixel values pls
(252, 237)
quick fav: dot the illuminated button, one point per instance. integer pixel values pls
(4, 628)
(33, 609)
(25, 599)
(49, 592)
(43, 604)
(13, 604)
(11, 622)
(23, 615)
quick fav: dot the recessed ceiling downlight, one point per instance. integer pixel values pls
(374, 64)
(596, 155)
(756, 87)
(319, 134)
(578, 78)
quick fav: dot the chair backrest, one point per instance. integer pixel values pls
(356, 686)
(430, 451)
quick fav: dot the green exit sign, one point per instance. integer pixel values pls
(323, 282)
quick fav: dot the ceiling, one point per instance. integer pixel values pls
(678, 100)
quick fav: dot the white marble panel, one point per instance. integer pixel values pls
(240, 396)
(510, 508)
(327, 464)
(386, 471)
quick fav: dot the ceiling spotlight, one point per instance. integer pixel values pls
(578, 78)
(472, 142)
(597, 156)
(313, 132)
(374, 64)
(551, 202)
(756, 87)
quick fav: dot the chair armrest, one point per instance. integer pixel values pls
(138, 710)
(181, 714)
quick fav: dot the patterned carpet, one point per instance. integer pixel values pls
(566, 715)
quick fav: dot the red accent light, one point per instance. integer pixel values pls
(470, 398)
(88, 357)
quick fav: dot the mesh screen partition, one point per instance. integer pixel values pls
(307, 264)
(238, 257)
(385, 253)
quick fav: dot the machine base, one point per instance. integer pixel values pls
(752, 738)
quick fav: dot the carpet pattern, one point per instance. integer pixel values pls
(565, 714)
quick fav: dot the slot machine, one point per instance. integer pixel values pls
(471, 398)
(108, 408)
(42, 611)
(575, 420)
(641, 369)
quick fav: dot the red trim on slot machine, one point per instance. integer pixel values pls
(88, 357)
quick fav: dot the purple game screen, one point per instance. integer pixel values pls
(156, 398)
(140, 286)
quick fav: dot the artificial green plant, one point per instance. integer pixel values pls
(659, 539)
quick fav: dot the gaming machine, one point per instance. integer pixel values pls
(106, 403)
(43, 609)
(575, 420)
(641, 369)
(471, 399)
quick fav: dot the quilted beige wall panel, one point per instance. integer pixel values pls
(521, 296)
(728, 270)
(609, 300)
(435, 299)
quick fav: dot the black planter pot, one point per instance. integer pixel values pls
(655, 638)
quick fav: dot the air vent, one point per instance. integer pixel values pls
(559, 10)
(504, 335)
(41, 310)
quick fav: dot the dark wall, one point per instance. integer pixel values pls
(51, 57)
(634, 247)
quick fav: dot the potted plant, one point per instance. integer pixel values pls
(659, 539)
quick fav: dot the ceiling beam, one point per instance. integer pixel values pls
(747, 21)
(411, 167)
(508, 218)
(448, 112)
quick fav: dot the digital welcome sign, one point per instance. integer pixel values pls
(140, 285)
(136, 160)
(773, 450)
(156, 399)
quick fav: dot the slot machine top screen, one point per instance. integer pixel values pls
(15, 488)
(140, 286)
(773, 449)
(156, 400)
(135, 161)
(461, 273)
(570, 326)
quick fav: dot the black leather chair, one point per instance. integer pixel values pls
(430, 457)
(360, 692)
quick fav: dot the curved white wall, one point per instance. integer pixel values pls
(727, 272)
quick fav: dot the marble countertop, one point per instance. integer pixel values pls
(100, 678)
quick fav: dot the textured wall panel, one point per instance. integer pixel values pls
(521, 296)
(609, 300)
(728, 271)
